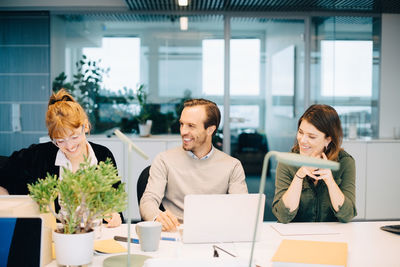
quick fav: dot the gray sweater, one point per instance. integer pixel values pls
(174, 174)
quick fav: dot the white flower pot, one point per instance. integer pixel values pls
(73, 249)
(145, 129)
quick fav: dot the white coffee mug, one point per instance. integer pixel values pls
(149, 234)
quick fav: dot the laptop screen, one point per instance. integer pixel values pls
(20, 242)
(221, 217)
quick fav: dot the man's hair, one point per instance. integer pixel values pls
(212, 111)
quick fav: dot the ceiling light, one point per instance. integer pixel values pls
(182, 2)
(184, 23)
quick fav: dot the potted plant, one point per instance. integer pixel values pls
(84, 197)
(143, 117)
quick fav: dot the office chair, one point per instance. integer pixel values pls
(252, 142)
(252, 148)
(3, 160)
(142, 183)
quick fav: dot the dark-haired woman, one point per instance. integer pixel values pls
(308, 194)
(67, 125)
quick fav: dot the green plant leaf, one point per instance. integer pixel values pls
(84, 195)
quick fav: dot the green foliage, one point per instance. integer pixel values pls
(87, 81)
(85, 86)
(141, 96)
(84, 196)
(59, 83)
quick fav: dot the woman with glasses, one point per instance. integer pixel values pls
(67, 125)
(309, 194)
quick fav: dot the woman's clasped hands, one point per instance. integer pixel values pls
(316, 173)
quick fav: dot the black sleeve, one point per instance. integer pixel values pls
(102, 153)
(27, 166)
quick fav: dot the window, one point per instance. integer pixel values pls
(179, 70)
(244, 67)
(346, 68)
(122, 56)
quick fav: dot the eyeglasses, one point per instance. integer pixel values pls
(74, 138)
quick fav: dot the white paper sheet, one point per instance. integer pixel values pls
(305, 229)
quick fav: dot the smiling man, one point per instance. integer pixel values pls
(195, 168)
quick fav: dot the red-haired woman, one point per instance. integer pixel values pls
(67, 125)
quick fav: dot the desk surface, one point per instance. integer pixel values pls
(368, 245)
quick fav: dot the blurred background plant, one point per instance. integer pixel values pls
(125, 108)
(141, 97)
(85, 86)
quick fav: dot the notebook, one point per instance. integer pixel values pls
(221, 218)
(310, 253)
(20, 242)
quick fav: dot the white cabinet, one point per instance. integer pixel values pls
(150, 145)
(377, 178)
(383, 181)
(358, 150)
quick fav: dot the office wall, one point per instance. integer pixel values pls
(390, 76)
(24, 77)
(281, 128)
(57, 46)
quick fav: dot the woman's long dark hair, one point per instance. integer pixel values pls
(326, 120)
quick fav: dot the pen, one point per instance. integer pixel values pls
(136, 241)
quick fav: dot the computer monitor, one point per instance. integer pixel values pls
(20, 241)
(20, 206)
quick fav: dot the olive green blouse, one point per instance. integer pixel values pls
(315, 204)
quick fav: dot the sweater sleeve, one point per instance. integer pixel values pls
(237, 181)
(282, 182)
(348, 210)
(155, 190)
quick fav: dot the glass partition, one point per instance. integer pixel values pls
(172, 64)
(345, 70)
(268, 85)
(266, 75)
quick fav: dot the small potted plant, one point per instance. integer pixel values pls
(84, 197)
(143, 117)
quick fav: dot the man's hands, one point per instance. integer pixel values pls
(168, 220)
(3, 191)
(113, 220)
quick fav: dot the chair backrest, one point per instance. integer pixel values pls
(252, 142)
(3, 160)
(142, 183)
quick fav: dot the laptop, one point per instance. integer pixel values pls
(20, 242)
(221, 218)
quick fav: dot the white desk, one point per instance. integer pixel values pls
(368, 245)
